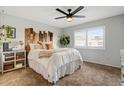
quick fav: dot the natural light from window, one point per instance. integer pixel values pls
(91, 38)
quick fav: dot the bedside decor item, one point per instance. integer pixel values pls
(65, 40)
(17, 45)
(21, 44)
(5, 46)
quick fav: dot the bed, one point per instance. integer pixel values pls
(54, 63)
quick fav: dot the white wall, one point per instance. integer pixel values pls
(114, 37)
(114, 41)
(20, 24)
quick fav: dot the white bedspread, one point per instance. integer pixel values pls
(56, 66)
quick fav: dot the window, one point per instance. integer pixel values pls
(91, 38)
(80, 39)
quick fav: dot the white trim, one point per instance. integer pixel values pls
(96, 62)
(89, 48)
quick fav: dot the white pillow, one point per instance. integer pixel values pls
(32, 46)
(43, 44)
(36, 46)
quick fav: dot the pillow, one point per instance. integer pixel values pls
(43, 44)
(38, 46)
(49, 46)
(32, 46)
(35, 46)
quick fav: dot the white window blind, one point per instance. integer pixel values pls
(90, 38)
(80, 39)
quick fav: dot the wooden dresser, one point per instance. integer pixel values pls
(12, 60)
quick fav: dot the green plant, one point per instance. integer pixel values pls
(6, 34)
(65, 40)
(8, 30)
(0, 43)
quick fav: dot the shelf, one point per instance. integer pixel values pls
(13, 51)
(20, 59)
(19, 67)
(8, 61)
(13, 69)
(10, 57)
(8, 70)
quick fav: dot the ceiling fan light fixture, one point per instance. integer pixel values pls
(69, 19)
(70, 15)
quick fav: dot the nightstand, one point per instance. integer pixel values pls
(12, 60)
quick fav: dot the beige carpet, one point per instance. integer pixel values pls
(90, 74)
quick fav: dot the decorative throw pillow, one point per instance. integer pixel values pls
(38, 46)
(43, 44)
(49, 46)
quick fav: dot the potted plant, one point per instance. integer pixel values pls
(64, 40)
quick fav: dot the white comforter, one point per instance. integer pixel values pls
(56, 66)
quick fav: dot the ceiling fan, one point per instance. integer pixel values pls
(70, 15)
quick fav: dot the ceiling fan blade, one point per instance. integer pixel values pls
(78, 16)
(77, 10)
(61, 11)
(60, 17)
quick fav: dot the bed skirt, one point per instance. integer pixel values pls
(66, 69)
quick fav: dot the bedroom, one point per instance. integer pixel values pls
(101, 62)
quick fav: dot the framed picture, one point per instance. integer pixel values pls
(11, 33)
(8, 31)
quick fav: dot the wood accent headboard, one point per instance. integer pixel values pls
(33, 37)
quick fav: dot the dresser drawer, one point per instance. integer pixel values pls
(8, 66)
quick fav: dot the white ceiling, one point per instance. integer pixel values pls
(46, 14)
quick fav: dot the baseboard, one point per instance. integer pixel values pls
(101, 63)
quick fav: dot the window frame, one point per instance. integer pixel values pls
(88, 47)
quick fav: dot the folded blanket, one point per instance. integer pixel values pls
(48, 53)
(45, 53)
